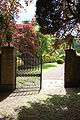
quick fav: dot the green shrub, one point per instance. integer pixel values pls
(60, 61)
(47, 58)
(19, 62)
(18, 54)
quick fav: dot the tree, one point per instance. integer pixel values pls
(46, 42)
(25, 38)
(59, 17)
(8, 10)
(26, 41)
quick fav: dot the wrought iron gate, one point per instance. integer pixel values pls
(29, 71)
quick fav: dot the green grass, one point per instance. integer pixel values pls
(47, 66)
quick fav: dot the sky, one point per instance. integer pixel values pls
(27, 13)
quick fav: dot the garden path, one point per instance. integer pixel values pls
(53, 80)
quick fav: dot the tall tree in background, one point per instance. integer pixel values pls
(26, 42)
(25, 38)
(59, 17)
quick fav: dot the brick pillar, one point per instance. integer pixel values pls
(0, 66)
(8, 78)
(70, 68)
(77, 71)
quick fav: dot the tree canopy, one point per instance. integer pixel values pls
(8, 10)
(25, 38)
(59, 17)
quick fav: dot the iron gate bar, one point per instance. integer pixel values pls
(41, 74)
(33, 70)
(29, 75)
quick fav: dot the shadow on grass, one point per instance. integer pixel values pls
(55, 107)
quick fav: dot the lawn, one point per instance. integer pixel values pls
(48, 66)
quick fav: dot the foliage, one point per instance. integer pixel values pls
(60, 61)
(25, 38)
(8, 9)
(76, 45)
(46, 14)
(48, 53)
(47, 58)
(46, 42)
(60, 18)
(56, 15)
(26, 42)
(59, 55)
